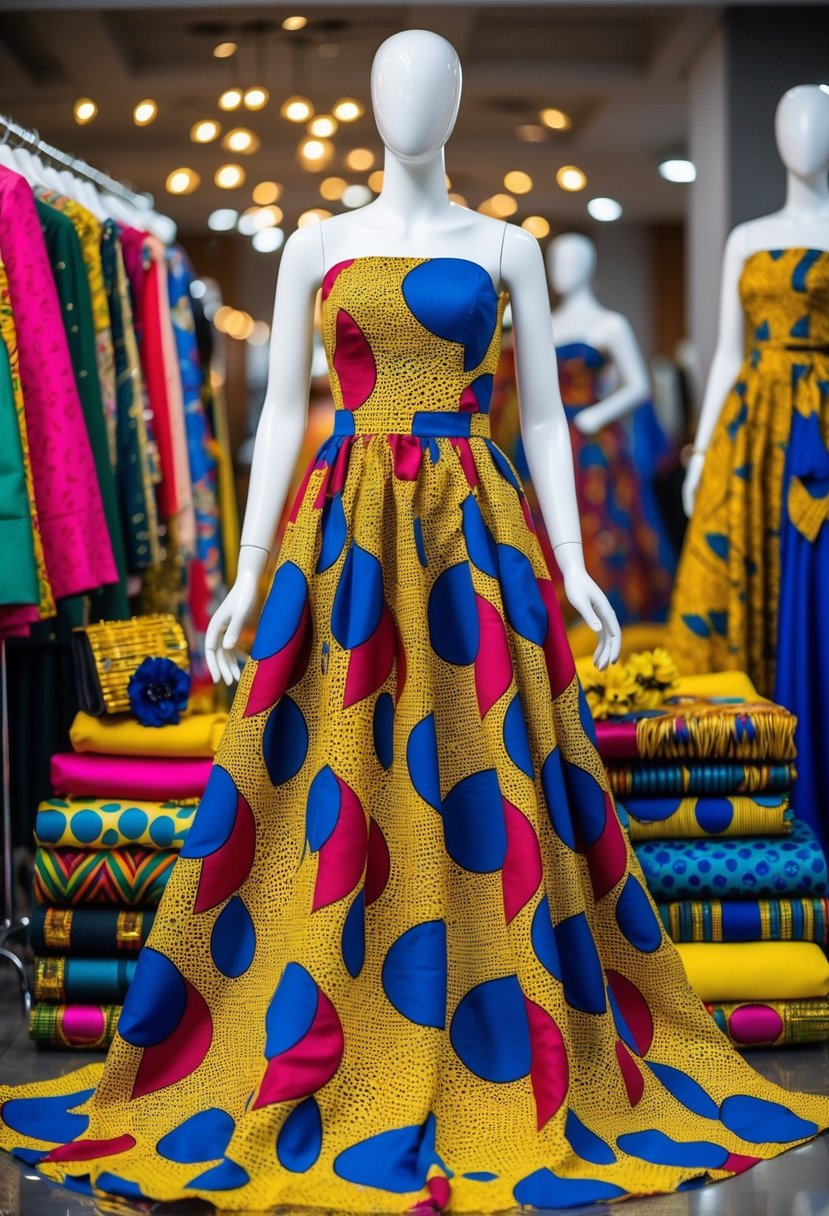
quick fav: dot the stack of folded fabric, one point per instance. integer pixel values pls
(106, 844)
(738, 879)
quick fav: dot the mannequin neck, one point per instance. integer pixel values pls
(414, 192)
(805, 195)
(579, 299)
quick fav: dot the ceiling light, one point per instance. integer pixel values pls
(294, 23)
(256, 98)
(231, 99)
(296, 108)
(571, 178)
(206, 131)
(197, 289)
(503, 205)
(84, 110)
(228, 177)
(221, 317)
(222, 220)
(247, 221)
(356, 196)
(266, 192)
(360, 159)
(375, 180)
(224, 50)
(261, 330)
(556, 120)
(316, 154)
(348, 110)
(323, 125)
(239, 324)
(314, 216)
(267, 240)
(531, 133)
(182, 181)
(240, 139)
(458, 199)
(332, 188)
(604, 209)
(144, 113)
(678, 169)
(255, 219)
(537, 225)
(518, 182)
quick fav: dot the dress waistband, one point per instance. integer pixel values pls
(805, 348)
(427, 424)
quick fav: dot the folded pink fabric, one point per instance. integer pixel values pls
(129, 776)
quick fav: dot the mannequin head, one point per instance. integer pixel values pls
(415, 92)
(571, 260)
(801, 125)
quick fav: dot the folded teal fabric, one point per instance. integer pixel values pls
(759, 867)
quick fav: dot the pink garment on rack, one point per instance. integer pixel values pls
(128, 777)
(76, 542)
(146, 267)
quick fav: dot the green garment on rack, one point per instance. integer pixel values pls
(18, 584)
(66, 258)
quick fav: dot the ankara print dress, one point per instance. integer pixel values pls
(406, 960)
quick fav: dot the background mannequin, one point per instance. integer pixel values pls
(753, 585)
(411, 217)
(626, 547)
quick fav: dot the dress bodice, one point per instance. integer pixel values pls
(406, 337)
(785, 296)
(580, 371)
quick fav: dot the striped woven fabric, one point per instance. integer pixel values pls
(773, 1023)
(127, 878)
(709, 815)
(773, 920)
(702, 727)
(702, 777)
(89, 932)
(83, 980)
(81, 1027)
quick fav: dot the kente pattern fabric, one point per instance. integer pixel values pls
(756, 867)
(128, 878)
(699, 777)
(82, 981)
(144, 777)
(406, 956)
(82, 1027)
(630, 559)
(103, 823)
(748, 971)
(773, 1023)
(123, 735)
(733, 815)
(95, 931)
(752, 590)
(725, 920)
(704, 728)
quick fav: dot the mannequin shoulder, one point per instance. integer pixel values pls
(521, 255)
(302, 257)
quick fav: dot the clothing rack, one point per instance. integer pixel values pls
(27, 138)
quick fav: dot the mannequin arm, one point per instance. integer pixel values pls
(278, 441)
(546, 437)
(726, 364)
(634, 382)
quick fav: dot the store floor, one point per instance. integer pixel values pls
(796, 1184)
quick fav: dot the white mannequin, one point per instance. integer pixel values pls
(415, 89)
(579, 317)
(802, 131)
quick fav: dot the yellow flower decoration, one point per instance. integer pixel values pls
(643, 682)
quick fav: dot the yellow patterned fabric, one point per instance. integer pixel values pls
(406, 956)
(107, 823)
(726, 596)
(8, 334)
(749, 971)
(719, 815)
(122, 735)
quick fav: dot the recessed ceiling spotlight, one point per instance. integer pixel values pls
(571, 178)
(678, 169)
(606, 210)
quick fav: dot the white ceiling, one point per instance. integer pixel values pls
(617, 69)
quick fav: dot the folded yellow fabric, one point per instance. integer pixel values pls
(194, 735)
(755, 971)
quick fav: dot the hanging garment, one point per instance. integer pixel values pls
(136, 486)
(18, 573)
(73, 280)
(407, 853)
(752, 590)
(76, 541)
(630, 559)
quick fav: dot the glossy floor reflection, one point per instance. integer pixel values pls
(796, 1184)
